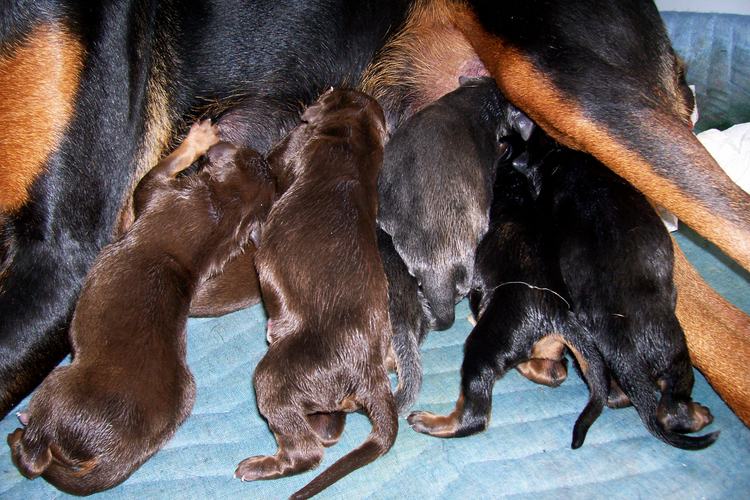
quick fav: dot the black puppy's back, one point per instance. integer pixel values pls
(617, 259)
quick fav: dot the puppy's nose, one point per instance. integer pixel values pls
(444, 319)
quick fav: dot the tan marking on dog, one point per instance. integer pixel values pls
(443, 425)
(427, 56)
(158, 136)
(38, 84)
(717, 334)
(528, 88)
(582, 362)
(545, 365)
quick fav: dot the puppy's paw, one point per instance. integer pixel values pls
(684, 417)
(23, 417)
(260, 467)
(202, 136)
(443, 426)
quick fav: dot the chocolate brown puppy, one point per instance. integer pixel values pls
(325, 293)
(94, 422)
(617, 261)
(520, 302)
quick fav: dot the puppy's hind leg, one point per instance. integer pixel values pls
(300, 448)
(489, 352)
(328, 426)
(676, 411)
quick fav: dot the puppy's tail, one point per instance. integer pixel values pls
(635, 385)
(593, 370)
(595, 377)
(381, 409)
(408, 366)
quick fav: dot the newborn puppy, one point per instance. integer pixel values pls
(435, 191)
(436, 186)
(617, 259)
(92, 423)
(520, 302)
(325, 293)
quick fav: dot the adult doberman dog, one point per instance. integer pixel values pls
(92, 94)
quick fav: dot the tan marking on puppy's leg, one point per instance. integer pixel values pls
(616, 398)
(543, 371)
(438, 425)
(38, 84)
(546, 365)
(717, 334)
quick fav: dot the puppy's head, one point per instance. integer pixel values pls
(339, 116)
(240, 179)
(341, 106)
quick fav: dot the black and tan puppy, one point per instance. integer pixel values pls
(325, 292)
(520, 302)
(617, 261)
(94, 422)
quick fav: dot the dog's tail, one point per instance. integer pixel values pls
(381, 409)
(591, 366)
(636, 385)
(408, 365)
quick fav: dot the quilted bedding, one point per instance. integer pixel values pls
(525, 452)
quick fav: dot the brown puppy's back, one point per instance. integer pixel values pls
(325, 291)
(91, 424)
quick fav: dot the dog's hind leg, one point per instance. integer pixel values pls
(490, 350)
(328, 426)
(716, 333)
(547, 364)
(626, 105)
(300, 448)
(407, 321)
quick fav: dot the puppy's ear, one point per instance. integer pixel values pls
(521, 123)
(31, 461)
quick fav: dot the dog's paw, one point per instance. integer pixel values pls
(434, 425)
(260, 467)
(202, 136)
